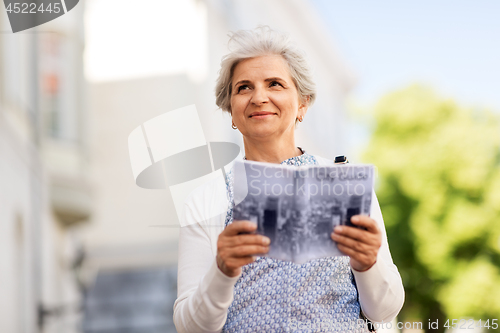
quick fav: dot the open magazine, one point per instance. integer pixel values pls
(298, 207)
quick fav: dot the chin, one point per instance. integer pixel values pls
(260, 134)
(264, 132)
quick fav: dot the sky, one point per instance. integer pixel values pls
(121, 50)
(450, 45)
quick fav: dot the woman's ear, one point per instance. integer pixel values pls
(303, 106)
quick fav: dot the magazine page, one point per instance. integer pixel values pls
(298, 207)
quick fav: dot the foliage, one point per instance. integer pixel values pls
(439, 189)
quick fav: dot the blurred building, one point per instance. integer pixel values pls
(45, 193)
(131, 241)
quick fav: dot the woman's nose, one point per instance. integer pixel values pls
(259, 96)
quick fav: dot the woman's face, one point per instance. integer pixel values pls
(264, 100)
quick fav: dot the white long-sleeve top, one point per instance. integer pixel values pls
(204, 293)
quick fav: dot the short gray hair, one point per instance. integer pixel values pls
(245, 44)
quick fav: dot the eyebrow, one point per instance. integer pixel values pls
(241, 82)
(266, 80)
(274, 79)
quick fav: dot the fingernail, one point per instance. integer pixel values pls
(338, 229)
(355, 218)
(266, 241)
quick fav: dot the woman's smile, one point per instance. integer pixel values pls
(262, 115)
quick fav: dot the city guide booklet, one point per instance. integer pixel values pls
(297, 207)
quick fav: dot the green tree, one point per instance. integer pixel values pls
(439, 189)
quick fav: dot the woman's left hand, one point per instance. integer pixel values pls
(361, 245)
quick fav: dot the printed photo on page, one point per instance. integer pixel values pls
(298, 207)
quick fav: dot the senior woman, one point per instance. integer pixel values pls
(223, 285)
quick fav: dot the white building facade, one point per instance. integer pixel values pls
(44, 194)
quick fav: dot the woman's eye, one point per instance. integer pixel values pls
(242, 87)
(275, 84)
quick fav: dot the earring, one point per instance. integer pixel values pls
(234, 126)
(300, 118)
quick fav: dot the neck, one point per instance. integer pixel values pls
(270, 152)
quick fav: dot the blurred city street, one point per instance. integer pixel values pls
(84, 249)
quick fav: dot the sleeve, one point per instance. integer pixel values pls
(380, 288)
(204, 293)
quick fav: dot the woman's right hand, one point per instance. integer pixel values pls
(236, 247)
